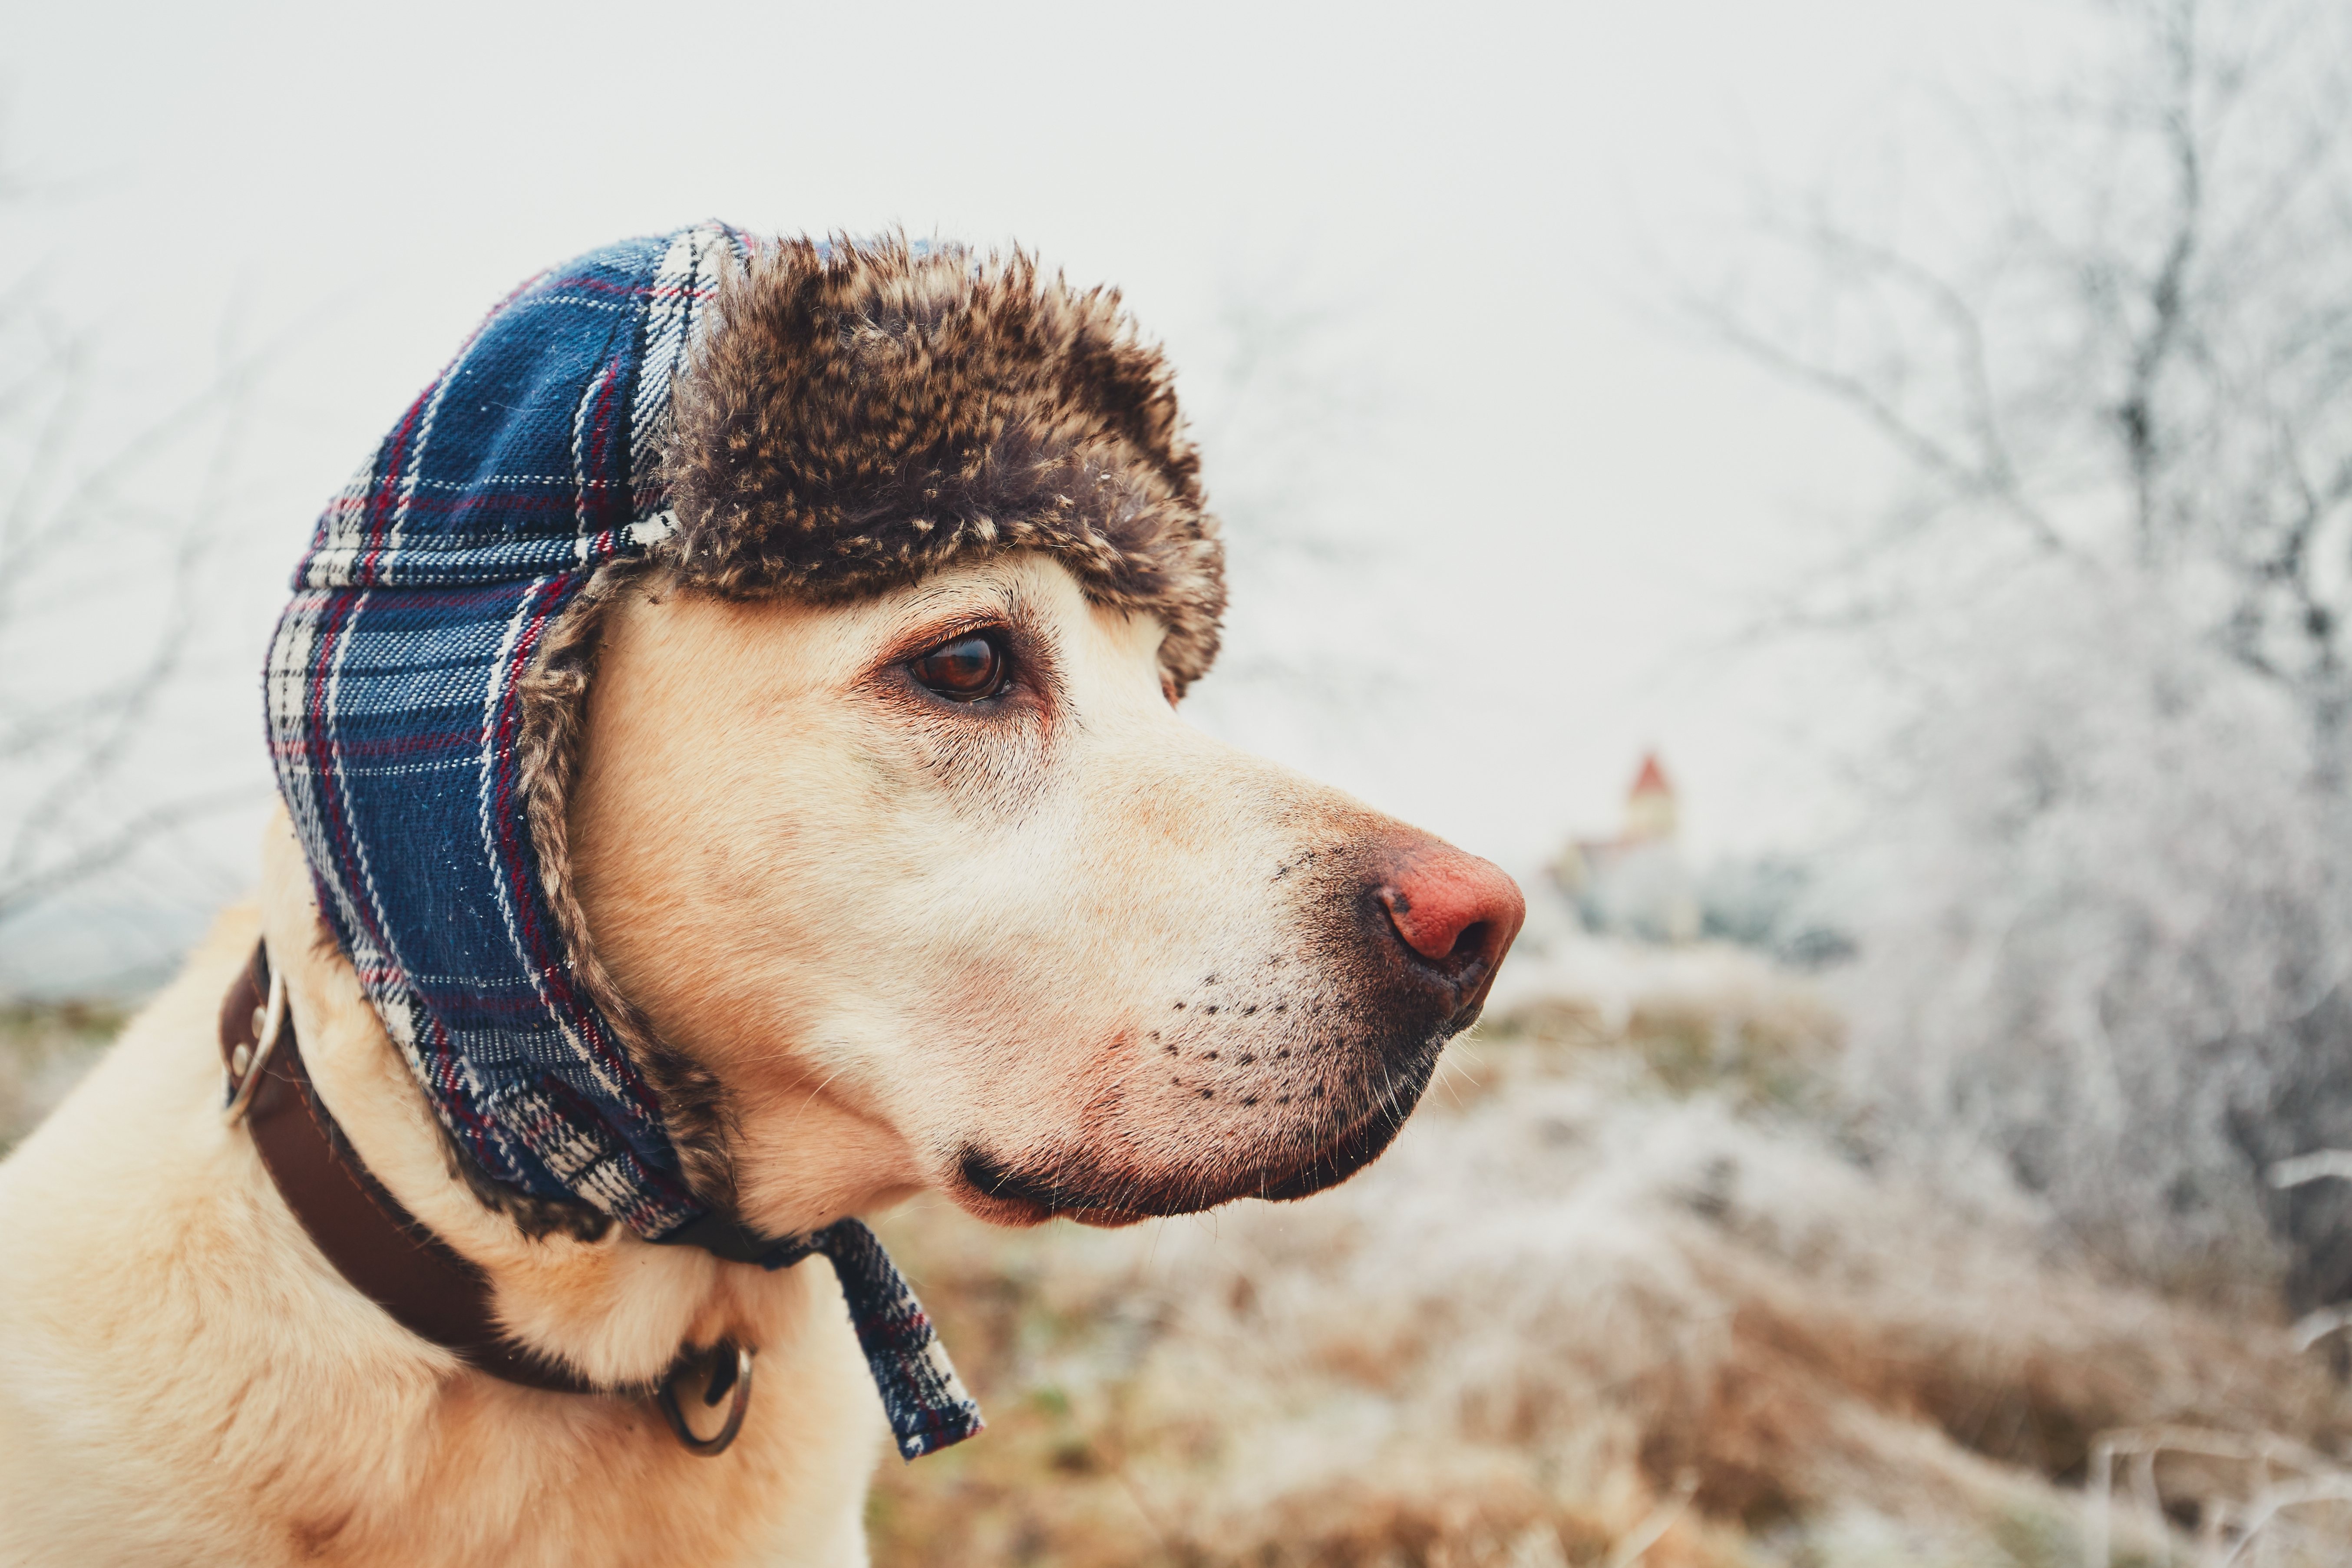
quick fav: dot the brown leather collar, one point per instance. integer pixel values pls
(386, 1254)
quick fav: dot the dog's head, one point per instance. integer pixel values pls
(884, 818)
(731, 719)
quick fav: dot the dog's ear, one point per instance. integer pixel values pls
(859, 414)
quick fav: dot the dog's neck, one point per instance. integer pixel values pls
(615, 1310)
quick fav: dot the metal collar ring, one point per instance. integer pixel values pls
(730, 1372)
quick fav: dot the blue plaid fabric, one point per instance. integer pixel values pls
(393, 710)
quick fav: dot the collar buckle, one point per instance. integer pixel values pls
(245, 1063)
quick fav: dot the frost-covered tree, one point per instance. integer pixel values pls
(2108, 933)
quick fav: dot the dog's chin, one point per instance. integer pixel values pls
(1079, 1187)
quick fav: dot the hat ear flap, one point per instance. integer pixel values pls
(551, 705)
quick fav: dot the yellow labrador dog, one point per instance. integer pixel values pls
(846, 767)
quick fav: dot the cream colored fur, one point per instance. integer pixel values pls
(895, 930)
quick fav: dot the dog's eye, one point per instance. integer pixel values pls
(964, 670)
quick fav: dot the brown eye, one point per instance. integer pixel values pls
(964, 670)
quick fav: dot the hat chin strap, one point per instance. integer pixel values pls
(723, 1235)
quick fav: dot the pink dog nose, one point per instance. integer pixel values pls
(1457, 911)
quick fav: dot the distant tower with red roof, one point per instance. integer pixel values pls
(1649, 809)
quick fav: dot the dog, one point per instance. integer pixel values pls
(849, 780)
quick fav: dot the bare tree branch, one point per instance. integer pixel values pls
(89, 859)
(91, 540)
(1987, 478)
(2137, 413)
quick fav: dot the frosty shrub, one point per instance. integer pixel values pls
(2108, 939)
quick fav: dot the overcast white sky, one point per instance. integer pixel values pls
(1570, 500)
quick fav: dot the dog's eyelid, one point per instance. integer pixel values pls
(983, 622)
(933, 619)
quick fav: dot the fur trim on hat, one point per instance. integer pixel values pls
(860, 414)
(553, 702)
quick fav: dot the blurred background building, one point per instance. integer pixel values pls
(1635, 884)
